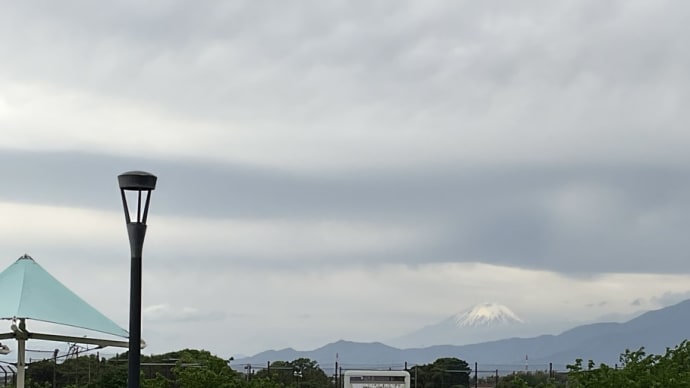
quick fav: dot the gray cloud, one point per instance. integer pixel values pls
(247, 60)
(670, 298)
(576, 218)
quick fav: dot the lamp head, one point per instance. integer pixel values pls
(137, 182)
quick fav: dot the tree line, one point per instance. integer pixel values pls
(637, 369)
(190, 368)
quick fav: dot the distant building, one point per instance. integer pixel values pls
(376, 379)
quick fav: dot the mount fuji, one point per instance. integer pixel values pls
(656, 330)
(480, 323)
(486, 314)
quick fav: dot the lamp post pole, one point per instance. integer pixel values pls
(137, 182)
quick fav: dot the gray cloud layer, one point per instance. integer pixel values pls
(570, 218)
(392, 68)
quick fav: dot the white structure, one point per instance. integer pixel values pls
(376, 379)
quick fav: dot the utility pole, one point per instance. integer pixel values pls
(55, 353)
(476, 380)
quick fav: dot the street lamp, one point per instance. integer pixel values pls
(137, 182)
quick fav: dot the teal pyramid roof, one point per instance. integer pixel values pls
(29, 291)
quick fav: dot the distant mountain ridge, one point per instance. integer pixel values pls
(602, 342)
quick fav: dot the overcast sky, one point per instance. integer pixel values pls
(349, 169)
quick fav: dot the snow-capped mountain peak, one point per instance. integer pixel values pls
(486, 314)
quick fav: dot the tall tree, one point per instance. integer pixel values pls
(302, 372)
(448, 372)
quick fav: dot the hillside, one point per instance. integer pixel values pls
(602, 342)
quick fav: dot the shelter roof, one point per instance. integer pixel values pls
(29, 291)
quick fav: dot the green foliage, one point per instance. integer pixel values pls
(449, 372)
(301, 372)
(85, 371)
(199, 369)
(538, 379)
(638, 370)
(186, 368)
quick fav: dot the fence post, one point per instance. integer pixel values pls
(476, 380)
